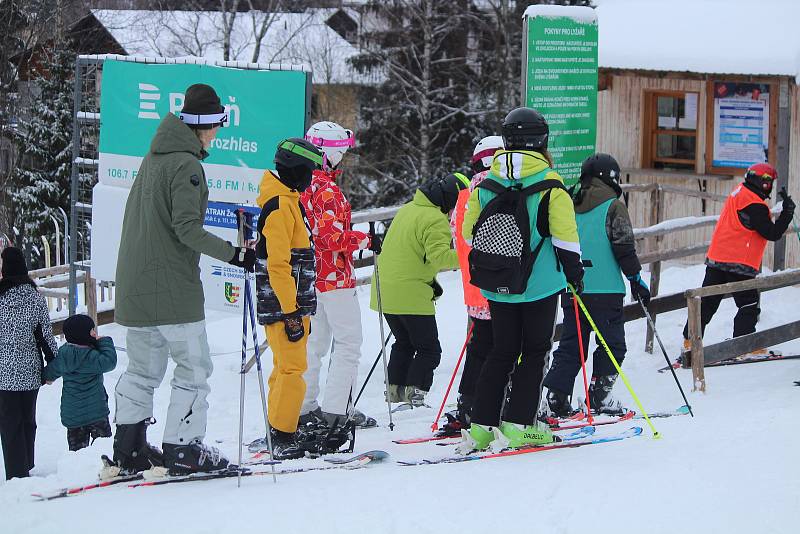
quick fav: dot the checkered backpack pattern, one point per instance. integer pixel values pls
(501, 259)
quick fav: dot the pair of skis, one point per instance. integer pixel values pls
(357, 461)
(739, 360)
(570, 423)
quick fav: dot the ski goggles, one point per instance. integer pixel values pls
(196, 120)
(332, 143)
(484, 154)
(301, 151)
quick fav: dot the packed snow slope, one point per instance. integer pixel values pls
(733, 468)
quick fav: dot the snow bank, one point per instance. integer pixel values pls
(577, 13)
(705, 36)
(730, 469)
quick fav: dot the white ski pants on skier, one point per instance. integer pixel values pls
(338, 320)
(149, 350)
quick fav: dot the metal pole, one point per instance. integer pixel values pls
(58, 240)
(664, 351)
(73, 191)
(377, 280)
(784, 135)
(241, 369)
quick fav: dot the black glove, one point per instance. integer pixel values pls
(293, 324)
(577, 285)
(438, 290)
(639, 289)
(245, 258)
(375, 243)
(788, 203)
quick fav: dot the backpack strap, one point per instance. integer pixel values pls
(542, 186)
(495, 187)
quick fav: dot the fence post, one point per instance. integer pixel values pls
(656, 212)
(696, 339)
(90, 292)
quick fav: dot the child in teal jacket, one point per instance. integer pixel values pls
(81, 361)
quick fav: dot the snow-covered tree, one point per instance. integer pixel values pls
(43, 137)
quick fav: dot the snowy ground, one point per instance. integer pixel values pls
(733, 468)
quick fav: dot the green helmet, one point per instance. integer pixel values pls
(297, 152)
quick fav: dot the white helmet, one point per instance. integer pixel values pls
(332, 140)
(484, 151)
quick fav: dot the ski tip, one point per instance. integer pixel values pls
(683, 409)
(633, 431)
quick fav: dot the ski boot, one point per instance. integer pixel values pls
(396, 393)
(559, 404)
(329, 438)
(458, 419)
(685, 359)
(285, 445)
(477, 438)
(600, 396)
(512, 436)
(196, 457)
(132, 453)
(416, 397)
(362, 420)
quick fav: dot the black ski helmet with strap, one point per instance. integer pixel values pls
(525, 129)
(443, 192)
(603, 167)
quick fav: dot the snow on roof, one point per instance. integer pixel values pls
(579, 13)
(298, 38)
(704, 36)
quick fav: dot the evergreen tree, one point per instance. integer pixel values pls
(43, 139)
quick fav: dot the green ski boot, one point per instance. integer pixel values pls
(512, 436)
(477, 438)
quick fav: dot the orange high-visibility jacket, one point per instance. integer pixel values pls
(732, 242)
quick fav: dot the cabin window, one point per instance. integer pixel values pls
(670, 130)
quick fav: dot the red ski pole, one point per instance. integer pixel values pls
(583, 357)
(435, 424)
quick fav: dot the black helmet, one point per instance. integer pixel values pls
(603, 167)
(295, 159)
(525, 129)
(443, 192)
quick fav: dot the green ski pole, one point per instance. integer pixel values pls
(602, 341)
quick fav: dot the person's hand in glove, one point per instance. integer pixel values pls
(788, 203)
(375, 243)
(639, 289)
(577, 285)
(245, 258)
(438, 290)
(293, 324)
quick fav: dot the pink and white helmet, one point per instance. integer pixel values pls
(333, 140)
(484, 151)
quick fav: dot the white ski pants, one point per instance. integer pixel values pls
(338, 320)
(149, 350)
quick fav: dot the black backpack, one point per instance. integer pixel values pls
(501, 259)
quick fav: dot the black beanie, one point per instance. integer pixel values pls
(13, 262)
(77, 328)
(202, 109)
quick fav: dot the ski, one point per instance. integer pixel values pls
(356, 462)
(68, 492)
(583, 432)
(754, 359)
(629, 433)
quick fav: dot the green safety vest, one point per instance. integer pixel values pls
(602, 274)
(546, 277)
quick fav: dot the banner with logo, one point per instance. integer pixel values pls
(560, 81)
(263, 108)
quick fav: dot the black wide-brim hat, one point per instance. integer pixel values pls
(202, 109)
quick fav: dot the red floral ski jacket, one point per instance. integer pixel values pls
(328, 214)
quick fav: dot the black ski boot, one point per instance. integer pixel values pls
(285, 445)
(600, 396)
(196, 457)
(330, 437)
(559, 404)
(132, 453)
(459, 419)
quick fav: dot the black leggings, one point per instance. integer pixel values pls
(416, 351)
(18, 431)
(520, 328)
(747, 302)
(478, 349)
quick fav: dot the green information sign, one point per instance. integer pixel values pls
(560, 80)
(263, 107)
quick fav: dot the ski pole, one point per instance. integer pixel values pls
(435, 423)
(664, 351)
(372, 369)
(377, 281)
(583, 360)
(249, 301)
(602, 341)
(244, 359)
